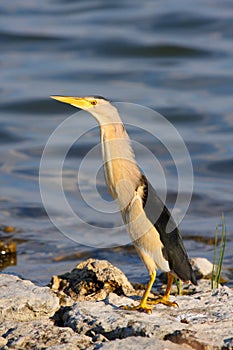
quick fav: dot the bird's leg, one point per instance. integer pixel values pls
(164, 300)
(142, 306)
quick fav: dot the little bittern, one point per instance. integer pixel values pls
(148, 221)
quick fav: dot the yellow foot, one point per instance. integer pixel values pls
(163, 301)
(140, 307)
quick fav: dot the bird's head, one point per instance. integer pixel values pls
(98, 106)
(85, 103)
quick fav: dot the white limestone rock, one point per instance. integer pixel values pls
(22, 300)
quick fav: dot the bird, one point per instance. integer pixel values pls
(149, 223)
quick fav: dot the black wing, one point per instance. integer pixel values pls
(174, 250)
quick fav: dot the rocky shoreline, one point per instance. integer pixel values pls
(81, 310)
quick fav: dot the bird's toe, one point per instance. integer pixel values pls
(163, 301)
(141, 308)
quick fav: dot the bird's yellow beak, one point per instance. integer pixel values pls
(79, 102)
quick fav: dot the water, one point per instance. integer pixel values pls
(175, 58)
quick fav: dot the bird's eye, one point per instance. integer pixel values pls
(93, 102)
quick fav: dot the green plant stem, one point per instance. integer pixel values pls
(216, 270)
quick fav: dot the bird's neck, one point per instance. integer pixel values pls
(122, 174)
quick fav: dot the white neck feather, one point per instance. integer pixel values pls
(122, 174)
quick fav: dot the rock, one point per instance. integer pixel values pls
(3, 342)
(41, 334)
(202, 321)
(8, 255)
(202, 266)
(92, 280)
(21, 300)
(203, 269)
(142, 344)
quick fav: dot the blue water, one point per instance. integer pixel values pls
(174, 57)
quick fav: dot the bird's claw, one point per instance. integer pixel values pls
(147, 307)
(163, 301)
(141, 308)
